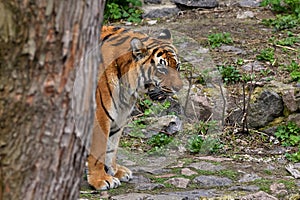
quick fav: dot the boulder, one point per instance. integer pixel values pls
(265, 109)
(188, 4)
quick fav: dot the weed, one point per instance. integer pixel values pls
(128, 9)
(196, 144)
(290, 13)
(266, 55)
(230, 74)
(288, 41)
(159, 140)
(216, 39)
(288, 135)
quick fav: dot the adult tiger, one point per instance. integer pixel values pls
(132, 63)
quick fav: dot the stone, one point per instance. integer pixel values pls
(149, 186)
(152, 1)
(179, 182)
(295, 118)
(295, 172)
(289, 99)
(161, 12)
(255, 66)
(265, 109)
(131, 196)
(259, 196)
(278, 189)
(187, 4)
(206, 166)
(169, 124)
(245, 15)
(249, 178)
(212, 181)
(193, 194)
(215, 159)
(249, 3)
(249, 188)
(235, 50)
(187, 172)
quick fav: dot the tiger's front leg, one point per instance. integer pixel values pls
(97, 176)
(121, 172)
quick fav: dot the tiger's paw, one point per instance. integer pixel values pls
(105, 183)
(123, 173)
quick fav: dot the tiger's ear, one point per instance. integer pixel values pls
(138, 48)
(165, 35)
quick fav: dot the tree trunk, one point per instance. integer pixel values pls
(42, 152)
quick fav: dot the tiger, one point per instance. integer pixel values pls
(132, 63)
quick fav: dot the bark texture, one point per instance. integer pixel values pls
(42, 152)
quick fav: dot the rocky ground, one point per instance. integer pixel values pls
(247, 166)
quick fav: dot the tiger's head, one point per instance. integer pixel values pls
(161, 65)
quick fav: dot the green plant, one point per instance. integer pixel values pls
(283, 6)
(216, 39)
(120, 9)
(230, 74)
(195, 144)
(288, 41)
(159, 140)
(289, 135)
(294, 69)
(266, 55)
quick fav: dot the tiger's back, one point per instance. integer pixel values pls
(133, 62)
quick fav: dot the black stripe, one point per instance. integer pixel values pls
(120, 41)
(106, 37)
(112, 132)
(104, 108)
(110, 92)
(116, 28)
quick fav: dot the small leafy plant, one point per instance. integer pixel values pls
(289, 135)
(288, 41)
(294, 69)
(196, 144)
(266, 55)
(126, 9)
(216, 39)
(159, 140)
(289, 16)
(230, 74)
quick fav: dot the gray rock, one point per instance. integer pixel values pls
(212, 181)
(207, 166)
(289, 99)
(250, 188)
(258, 196)
(249, 3)
(149, 186)
(163, 12)
(193, 194)
(255, 66)
(265, 109)
(131, 196)
(187, 172)
(235, 50)
(152, 1)
(186, 4)
(249, 178)
(179, 182)
(245, 15)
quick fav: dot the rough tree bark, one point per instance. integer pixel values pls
(42, 152)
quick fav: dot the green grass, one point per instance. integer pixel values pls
(217, 39)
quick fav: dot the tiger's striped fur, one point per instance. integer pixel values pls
(132, 62)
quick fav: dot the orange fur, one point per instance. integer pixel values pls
(131, 60)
